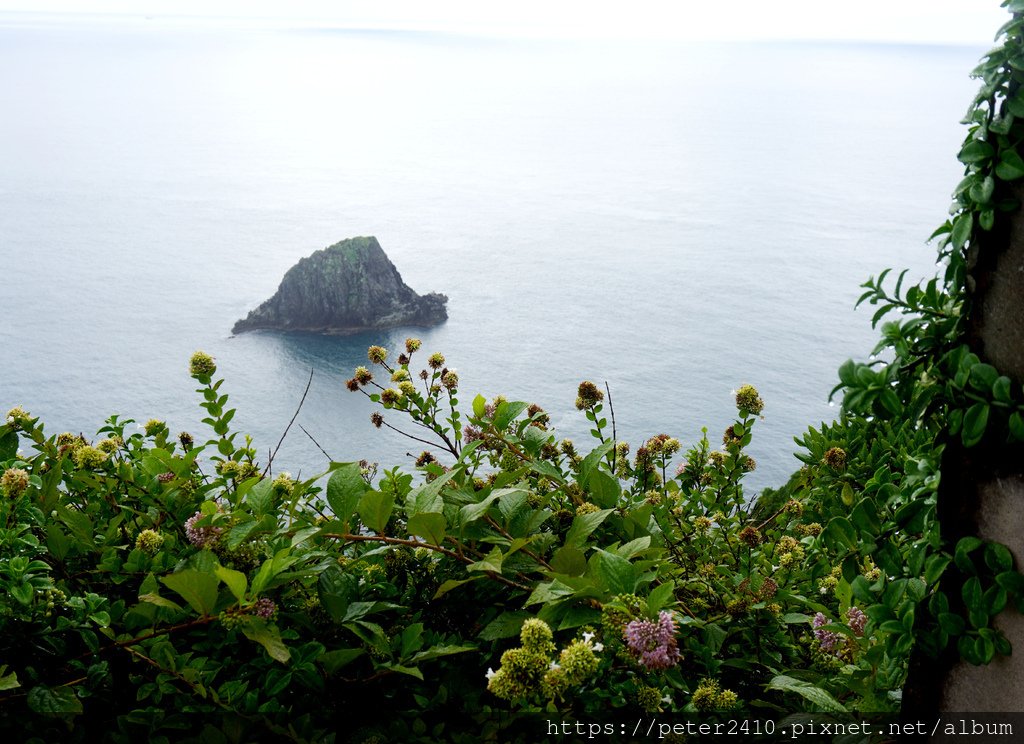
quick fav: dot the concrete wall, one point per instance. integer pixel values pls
(982, 489)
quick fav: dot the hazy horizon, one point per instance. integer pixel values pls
(911, 21)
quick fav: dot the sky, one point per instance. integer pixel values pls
(915, 21)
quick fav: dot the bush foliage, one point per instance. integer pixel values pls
(157, 588)
(176, 591)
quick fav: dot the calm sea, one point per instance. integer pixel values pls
(675, 219)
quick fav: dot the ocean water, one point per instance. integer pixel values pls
(674, 219)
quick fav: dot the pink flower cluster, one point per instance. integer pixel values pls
(653, 643)
(856, 620)
(828, 640)
(265, 608)
(831, 642)
(201, 537)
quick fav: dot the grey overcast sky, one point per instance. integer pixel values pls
(924, 21)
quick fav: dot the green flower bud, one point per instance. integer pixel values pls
(14, 482)
(536, 636)
(747, 399)
(201, 365)
(149, 541)
(87, 457)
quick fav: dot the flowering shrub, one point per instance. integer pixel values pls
(225, 598)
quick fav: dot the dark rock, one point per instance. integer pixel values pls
(348, 287)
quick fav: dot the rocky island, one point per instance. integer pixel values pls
(345, 288)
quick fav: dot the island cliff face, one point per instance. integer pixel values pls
(348, 287)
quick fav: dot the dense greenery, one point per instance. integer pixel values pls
(154, 587)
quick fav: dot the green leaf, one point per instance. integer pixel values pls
(479, 406)
(1011, 166)
(1012, 582)
(358, 610)
(505, 625)
(472, 512)
(437, 652)
(604, 489)
(261, 497)
(235, 581)
(935, 567)
(371, 634)
(403, 669)
(23, 592)
(570, 561)
(848, 373)
(451, 584)
(981, 192)
(590, 462)
(80, 526)
(159, 601)
(1001, 389)
(796, 618)
(972, 594)
(197, 588)
(506, 412)
(54, 701)
(861, 588)
(818, 697)
(490, 562)
(998, 557)
(427, 497)
(1016, 424)
(617, 574)
(344, 489)
(633, 547)
(268, 636)
(865, 517)
(240, 533)
(8, 681)
(976, 151)
(916, 589)
(983, 376)
(8, 445)
(429, 525)
(1016, 103)
(995, 598)
(985, 649)
(583, 525)
(547, 469)
(987, 219)
(336, 590)
(841, 533)
(975, 421)
(962, 230)
(549, 593)
(375, 509)
(951, 623)
(659, 597)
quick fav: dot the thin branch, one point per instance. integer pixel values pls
(294, 416)
(204, 620)
(611, 411)
(429, 546)
(316, 443)
(525, 550)
(407, 434)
